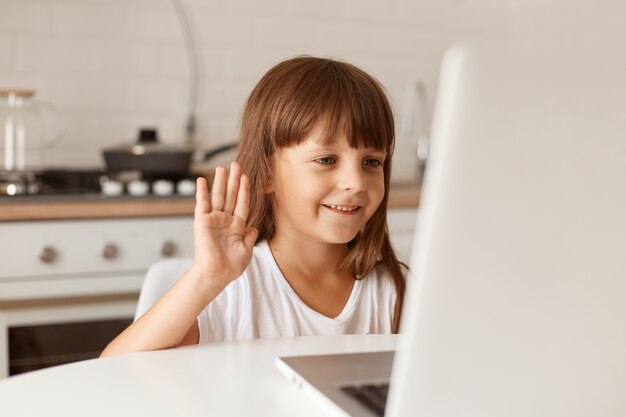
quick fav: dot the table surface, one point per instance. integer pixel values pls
(227, 379)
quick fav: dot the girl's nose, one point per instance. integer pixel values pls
(352, 179)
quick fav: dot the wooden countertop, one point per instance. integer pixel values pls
(36, 208)
(404, 195)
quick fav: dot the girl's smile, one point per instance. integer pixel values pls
(341, 209)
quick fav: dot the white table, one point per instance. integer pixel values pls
(229, 379)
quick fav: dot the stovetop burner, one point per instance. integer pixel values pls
(14, 183)
(95, 182)
(61, 181)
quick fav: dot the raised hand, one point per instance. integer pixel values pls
(222, 242)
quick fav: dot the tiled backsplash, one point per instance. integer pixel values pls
(111, 66)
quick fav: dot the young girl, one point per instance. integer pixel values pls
(293, 240)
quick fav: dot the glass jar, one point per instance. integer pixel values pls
(22, 140)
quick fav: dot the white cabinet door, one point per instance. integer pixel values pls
(86, 257)
(80, 247)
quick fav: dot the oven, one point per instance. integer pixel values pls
(68, 287)
(36, 336)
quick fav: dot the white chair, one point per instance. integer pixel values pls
(160, 277)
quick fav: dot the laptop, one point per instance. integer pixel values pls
(516, 302)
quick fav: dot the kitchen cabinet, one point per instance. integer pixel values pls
(86, 257)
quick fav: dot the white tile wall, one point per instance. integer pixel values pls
(111, 66)
(25, 17)
(7, 54)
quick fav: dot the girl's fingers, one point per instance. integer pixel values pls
(203, 205)
(243, 198)
(218, 189)
(232, 188)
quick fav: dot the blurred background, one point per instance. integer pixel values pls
(110, 67)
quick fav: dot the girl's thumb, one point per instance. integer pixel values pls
(250, 236)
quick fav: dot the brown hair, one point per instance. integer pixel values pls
(292, 99)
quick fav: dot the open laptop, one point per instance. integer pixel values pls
(516, 304)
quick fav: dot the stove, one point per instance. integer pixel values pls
(94, 182)
(68, 286)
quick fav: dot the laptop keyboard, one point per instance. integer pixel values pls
(373, 396)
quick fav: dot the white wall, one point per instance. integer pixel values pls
(111, 66)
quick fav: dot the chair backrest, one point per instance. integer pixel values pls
(160, 277)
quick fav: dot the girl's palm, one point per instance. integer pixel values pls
(223, 243)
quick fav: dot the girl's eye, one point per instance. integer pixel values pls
(372, 162)
(327, 160)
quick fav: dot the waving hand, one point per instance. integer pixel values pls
(222, 242)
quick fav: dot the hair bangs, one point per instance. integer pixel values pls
(337, 98)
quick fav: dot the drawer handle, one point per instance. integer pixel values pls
(48, 255)
(110, 251)
(168, 249)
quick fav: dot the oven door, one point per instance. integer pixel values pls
(36, 335)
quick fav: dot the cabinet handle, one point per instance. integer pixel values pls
(168, 249)
(48, 255)
(110, 251)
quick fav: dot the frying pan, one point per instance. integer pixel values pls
(151, 157)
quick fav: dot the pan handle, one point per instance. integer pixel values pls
(216, 151)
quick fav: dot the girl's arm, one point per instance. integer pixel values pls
(222, 250)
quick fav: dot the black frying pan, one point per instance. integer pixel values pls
(151, 157)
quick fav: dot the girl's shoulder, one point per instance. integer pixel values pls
(379, 276)
(382, 270)
(382, 278)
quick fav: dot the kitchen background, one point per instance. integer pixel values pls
(111, 66)
(71, 266)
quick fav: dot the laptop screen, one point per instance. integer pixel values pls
(515, 304)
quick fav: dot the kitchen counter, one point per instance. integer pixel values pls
(95, 207)
(70, 208)
(404, 195)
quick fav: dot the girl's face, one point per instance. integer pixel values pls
(326, 193)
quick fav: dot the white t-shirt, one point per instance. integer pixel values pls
(262, 304)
